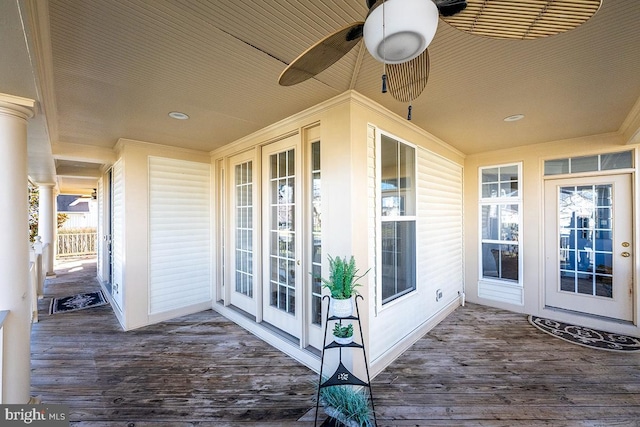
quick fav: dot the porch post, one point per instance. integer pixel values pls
(47, 223)
(14, 248)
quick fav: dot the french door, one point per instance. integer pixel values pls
(244, 274)
(282, 236)
(588, 232)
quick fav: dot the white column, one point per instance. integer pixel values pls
(14, 248)
(47, 223)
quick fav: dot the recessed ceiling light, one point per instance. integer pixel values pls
(514, 118)
(178, 115)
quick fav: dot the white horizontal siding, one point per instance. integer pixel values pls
(179, 234)
(117, 233)
(503, 292)
(439, 231)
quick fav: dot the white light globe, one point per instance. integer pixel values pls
(409, 27)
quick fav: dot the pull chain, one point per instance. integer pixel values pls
(384, 56)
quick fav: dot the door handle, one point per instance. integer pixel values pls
(625, 254)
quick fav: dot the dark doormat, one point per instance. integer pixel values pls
(77, 302)
(586, 337)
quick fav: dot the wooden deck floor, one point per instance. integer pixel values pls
(480, 367)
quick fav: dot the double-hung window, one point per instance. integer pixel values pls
(500, 222)
(398, 218)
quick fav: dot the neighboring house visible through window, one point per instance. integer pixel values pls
(500, 222)
(398, 218)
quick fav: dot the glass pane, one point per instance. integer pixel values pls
(509, 262)
(398, 258)
(556, 167)
(585, 239)
(622, 160)
(244, 230)
(397, 179)
(604, 286)
(316, 236)
(500, 261)
(282, 165)
(509, 220)
(509, 189)
(490, 175)
(282, 235)
(584, 164)
(567, 281)
(490, 190)
(491, 260)
(585, 284)
(490, 223)
(407, 179)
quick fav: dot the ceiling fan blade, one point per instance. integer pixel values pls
(450, 7)
(407, 80)
(522, 19)
(322, 55)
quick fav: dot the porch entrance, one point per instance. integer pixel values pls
(588, 241)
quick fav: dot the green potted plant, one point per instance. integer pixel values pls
(343, 334)
(343, 275)
(347, 404)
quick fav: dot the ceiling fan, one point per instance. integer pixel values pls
(397, 33)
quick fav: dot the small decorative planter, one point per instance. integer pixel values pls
(341, 307)
(343, 340)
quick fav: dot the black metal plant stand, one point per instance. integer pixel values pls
(342, 376)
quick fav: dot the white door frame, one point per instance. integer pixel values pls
(621, 305)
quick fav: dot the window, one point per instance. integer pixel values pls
(398, 218)
(598, 162)
(316, 236)
(500, 207)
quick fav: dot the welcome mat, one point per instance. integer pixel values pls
(77, 302)
(586, 337)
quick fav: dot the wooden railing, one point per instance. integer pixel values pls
(3, 316)
(76, 244)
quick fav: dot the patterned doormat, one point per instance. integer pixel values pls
(77, 302)
(586, 337)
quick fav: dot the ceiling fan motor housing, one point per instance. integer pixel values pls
(397, 31)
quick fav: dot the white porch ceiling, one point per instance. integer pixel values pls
(110, 69)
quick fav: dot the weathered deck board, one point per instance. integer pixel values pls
(480, 367)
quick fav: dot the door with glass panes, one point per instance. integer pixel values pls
(243, 272)
(282, 236)
(588, 241)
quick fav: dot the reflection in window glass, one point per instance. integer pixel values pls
(601, 162)
(500, 222)
(585, 238)
(616, 161)
(316, 236)
(398, 222)
(584, 164)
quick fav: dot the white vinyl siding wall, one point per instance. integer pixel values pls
(439, 229)
(179, 234)
(117, 233)
(439, 249)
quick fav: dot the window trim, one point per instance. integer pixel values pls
(494, 201)
(380, 219)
